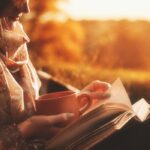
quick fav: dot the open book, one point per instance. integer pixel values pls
(101, 121)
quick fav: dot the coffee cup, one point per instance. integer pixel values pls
(63, 102)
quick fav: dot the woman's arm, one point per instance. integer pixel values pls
(37, 127)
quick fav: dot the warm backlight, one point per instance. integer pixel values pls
(108, 9)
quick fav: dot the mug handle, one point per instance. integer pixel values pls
(88, 101)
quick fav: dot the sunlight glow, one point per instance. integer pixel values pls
(108, 9)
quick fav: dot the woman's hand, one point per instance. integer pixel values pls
(98, 90)
(98, 86)
(43, 126)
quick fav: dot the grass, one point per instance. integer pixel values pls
(136, 82)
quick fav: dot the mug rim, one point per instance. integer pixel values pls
(59, 93)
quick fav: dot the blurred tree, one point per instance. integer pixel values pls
(52, 40)
(118, 44)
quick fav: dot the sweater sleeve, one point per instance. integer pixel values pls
(11, 139)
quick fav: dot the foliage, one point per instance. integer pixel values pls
(118, 44)
(79, 52)
(52, 40)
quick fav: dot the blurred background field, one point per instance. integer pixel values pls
(78, 51)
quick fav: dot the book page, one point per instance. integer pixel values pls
(100, 121)
(85, 125)
(99, 134)
(141, 109)
(119, 94)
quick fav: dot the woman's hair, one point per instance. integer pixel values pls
(4, 4)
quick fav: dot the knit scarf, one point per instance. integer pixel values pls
(19, 84)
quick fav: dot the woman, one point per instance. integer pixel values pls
(19, 85)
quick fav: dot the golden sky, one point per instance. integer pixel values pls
(108, 9)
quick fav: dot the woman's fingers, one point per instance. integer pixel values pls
(97, 86)
(98, 90)
(49, 132)
(100, 95)
(60, 118)
(37, 125)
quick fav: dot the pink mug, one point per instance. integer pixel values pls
(63, 102)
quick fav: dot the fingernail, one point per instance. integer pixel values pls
(109, 85)
(69, 115)
(106, 95)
